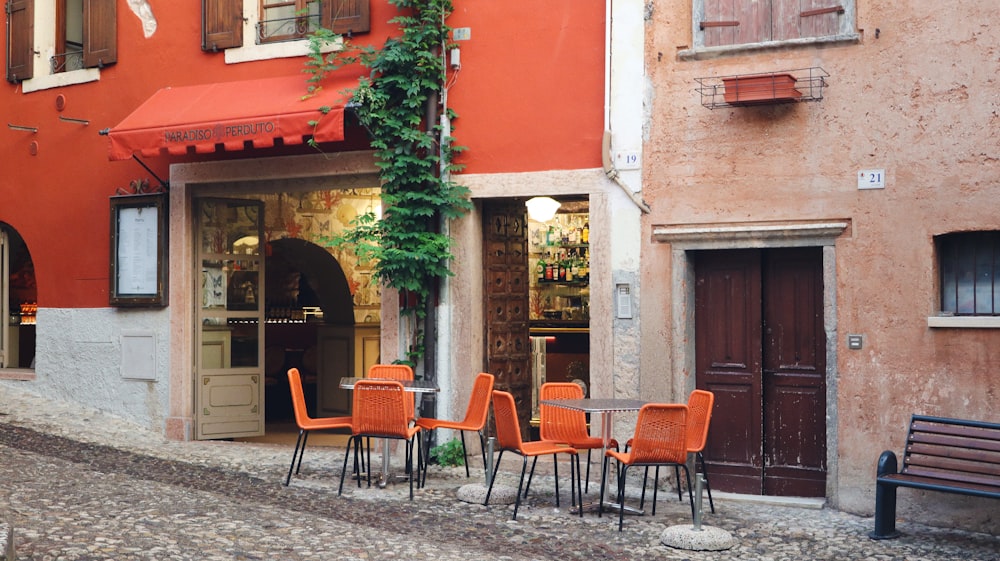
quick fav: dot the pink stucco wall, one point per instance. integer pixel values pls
(919, 100)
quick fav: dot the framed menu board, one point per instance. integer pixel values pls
(139, 250)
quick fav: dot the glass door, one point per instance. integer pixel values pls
(229, 395)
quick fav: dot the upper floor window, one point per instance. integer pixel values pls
(53, 37)
(969, 263)
(274, 21)
(721, 23)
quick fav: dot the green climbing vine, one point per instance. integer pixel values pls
(415, 157)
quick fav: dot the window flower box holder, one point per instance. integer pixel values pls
(743, 90)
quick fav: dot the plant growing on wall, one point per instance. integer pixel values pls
(398, 103)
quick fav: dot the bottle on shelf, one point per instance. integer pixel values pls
(585, 233)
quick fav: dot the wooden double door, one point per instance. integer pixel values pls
(761, 348)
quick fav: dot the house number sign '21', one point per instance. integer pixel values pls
(871, 179)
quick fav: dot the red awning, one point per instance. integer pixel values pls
(230, 114)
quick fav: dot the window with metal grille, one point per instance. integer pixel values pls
(969, 263)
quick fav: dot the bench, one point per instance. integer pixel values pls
(947, 455)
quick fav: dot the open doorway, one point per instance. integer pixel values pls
(19, 302)
(316, 308)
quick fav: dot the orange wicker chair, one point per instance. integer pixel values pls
(567, 426)
(475, 418)
(700, 404)
(379, 409)
(509, 439)
(395, 372)
(307, 423)
(659, 439)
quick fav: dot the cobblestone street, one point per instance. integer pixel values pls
(87, 486)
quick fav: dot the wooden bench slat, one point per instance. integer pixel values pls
(936, 451)
(963, 441)
(960, 466)
(954, 476)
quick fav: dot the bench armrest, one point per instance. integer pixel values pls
(887, 464)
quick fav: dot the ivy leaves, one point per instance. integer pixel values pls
(398, 105)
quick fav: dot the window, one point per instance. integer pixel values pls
(719, 23)
(969, 263)
(66, 34)
(274, 21)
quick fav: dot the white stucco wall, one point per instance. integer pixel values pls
(78, 357)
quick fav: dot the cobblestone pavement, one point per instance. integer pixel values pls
(80, 485)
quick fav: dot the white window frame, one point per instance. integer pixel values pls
(251, 51)
(847, 33)
(45, 49)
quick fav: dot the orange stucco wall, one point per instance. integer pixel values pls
(529, 98)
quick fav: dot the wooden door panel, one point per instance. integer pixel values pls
(505, 260)
(794, 374)
(727, 324)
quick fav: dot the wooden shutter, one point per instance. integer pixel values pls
(736, 22)
(20, 39)
(819, 18)
(346, 16)
(221, 24)
(100, 33)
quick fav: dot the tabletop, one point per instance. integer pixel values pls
(419, 386)
(597, 404)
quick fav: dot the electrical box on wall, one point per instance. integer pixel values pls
(623, 299)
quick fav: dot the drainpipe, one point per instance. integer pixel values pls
(606, 159)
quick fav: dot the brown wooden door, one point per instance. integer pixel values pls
(760, 347)
(505, 260)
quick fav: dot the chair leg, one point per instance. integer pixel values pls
(555, 472)
(656, 486)
(687, 475)
(530, 476)
(528, 486)
(493, 478)
(409, 460)
(482, 448)
(677, 474)
(465, 457)
(347, 453)
(579, 489)
(645, 479)
(302, 451)
(299, 443)
(621, 494)
(524, 469)
(708, 487)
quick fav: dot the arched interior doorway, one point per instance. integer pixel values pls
(19, 301)
(301, 275)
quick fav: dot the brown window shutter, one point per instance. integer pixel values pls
(100, 33)
(20, 39)
(221, 24)
(346, 16)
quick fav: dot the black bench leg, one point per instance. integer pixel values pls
(885, 501)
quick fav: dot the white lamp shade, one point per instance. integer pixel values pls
(542, 209)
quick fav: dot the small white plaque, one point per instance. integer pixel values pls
(871, 179)
(628, 159)
(461, 33)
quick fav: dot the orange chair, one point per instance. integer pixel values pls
(305, 422)
(509, 439)
(567, 426)
(700, 404)
(395, 372)
(379, 409)
(475, 418)
(660, 439)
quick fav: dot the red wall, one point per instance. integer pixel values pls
(529, 97)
